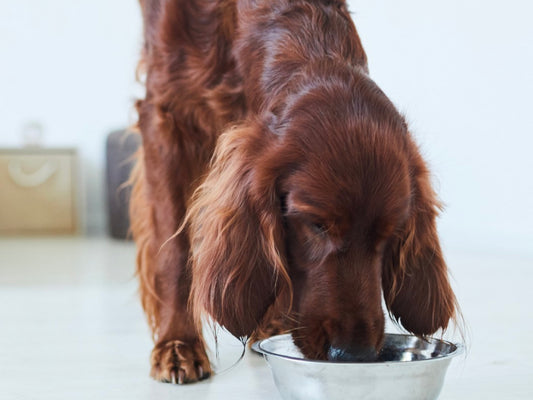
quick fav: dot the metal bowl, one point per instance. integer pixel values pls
(408, 367)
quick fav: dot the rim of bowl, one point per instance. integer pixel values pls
(459, 348)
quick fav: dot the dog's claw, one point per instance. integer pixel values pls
(181, 376)
(173, 377)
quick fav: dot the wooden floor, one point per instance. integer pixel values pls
(71, 328)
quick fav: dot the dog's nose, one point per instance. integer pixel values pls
(354, 353)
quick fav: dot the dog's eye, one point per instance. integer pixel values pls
(318, 228)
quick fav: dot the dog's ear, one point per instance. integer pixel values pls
(235, 229)
(415, 277)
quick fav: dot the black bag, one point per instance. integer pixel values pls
(120, 150)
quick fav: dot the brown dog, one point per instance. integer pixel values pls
(300, 192)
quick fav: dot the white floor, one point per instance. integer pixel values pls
(71, 328)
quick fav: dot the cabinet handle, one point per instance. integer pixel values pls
(33, 179)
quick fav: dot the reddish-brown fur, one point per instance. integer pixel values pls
(294, 186)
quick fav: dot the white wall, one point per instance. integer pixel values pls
(71, 66)
(460, 70)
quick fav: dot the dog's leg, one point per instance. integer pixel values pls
(179, 120)
(179, 355)
(162, 184)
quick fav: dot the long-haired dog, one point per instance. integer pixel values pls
(278, 188)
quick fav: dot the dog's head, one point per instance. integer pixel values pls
(328, 203)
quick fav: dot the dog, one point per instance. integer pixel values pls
(277, 189)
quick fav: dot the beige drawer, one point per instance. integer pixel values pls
(37, 191)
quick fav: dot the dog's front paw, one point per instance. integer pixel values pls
(180, 362)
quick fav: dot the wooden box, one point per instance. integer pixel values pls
(38, 193)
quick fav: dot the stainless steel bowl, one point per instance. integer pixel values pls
(408, 368)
